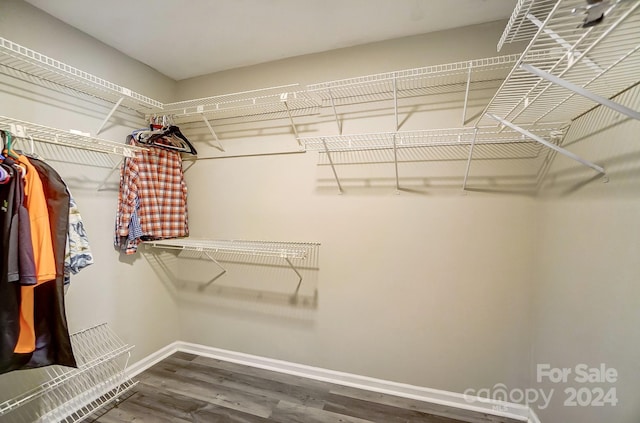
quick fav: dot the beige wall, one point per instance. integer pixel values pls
(587, 296)
(429, 287)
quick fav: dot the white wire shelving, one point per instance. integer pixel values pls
(287, 251)
(264, 101)
(435, 138)
(520, 28)
(568, 67)
(23, 61)
(32, 131)
(71, 395)
(285, 101)
(439, 79)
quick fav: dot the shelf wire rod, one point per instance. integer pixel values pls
(215, 278)
(552, 146)
(395, 161)
(466, 94)
(582, 91)
(293, 125)
(297, 273)
(335, 112)
(466, 172)
(213, 133)
(333, 167)
(111, 112)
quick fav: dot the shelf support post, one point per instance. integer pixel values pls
(395, 102)
(215, 278)
(333, 167)
(581, 91)
(297, 273)
(466, 172)
(213, 133)
(335, 113)
(395, 161)
(106, 119)
(466, 94)
(552, 146)
(283, 97)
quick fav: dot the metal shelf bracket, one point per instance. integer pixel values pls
(297, 273)
(216, 277)
(213, 133)
(466, 172)
(333, 167)
(111, 112)
(283, 98)
(335, 112)
(466, 94)
(395, 161)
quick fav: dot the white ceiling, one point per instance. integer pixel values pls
(205, 36)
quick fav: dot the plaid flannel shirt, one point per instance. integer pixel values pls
(152, 187)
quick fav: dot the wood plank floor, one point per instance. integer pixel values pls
(186, 388)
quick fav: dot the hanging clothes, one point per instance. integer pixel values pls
(36, 211)
(78, 251)
(9, 292)
(43, 255)
(20, 263)
(153, 196)
(52, 340)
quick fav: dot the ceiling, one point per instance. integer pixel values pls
(206, 36)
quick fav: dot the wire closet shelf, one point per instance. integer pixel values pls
(442, 78)
(425, 138)
(30, 62)
(520, 28)
(71, 395)
(567, 68)
(273, 102)
(32, 131)
(289, 250)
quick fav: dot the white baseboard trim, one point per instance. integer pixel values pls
(140, 366)
(450, 399)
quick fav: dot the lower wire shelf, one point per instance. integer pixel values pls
(63, 394)
(288, 251)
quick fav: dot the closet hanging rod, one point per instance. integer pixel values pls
(41, 133)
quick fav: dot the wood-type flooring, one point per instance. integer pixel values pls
(186, 388)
